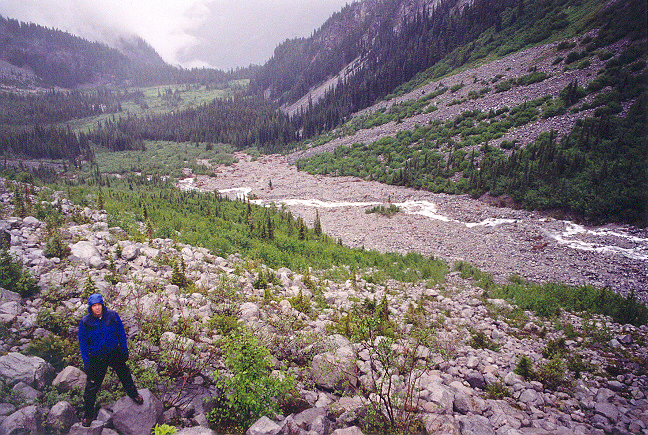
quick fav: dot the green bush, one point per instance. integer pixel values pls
(249, 390)
(14, 278)
(55, 247)
(497, 391)
(524, 368)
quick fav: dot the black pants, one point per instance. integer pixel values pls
(96, 373)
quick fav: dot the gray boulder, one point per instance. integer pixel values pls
(9, 296)
(26, 393)
(131, 419)
(96, 428)
(130, 252)
(264, 426)
(197, 430)
(61, 417)
(84, 251)
(32, 370)
(475, 379)
(440, 425)
(353, 430)
(475, 425)
(335, 370)
(70, 377)
(27, 420)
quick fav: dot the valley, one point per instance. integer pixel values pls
(499, 240)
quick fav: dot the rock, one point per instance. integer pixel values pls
(31, 221)
(442, 398)
(27, 420)
(608, 410)
(84, 251)
(616, 386)
(466, 403)
(96, 428)
(197, 430)
(440, 425)
(130, 252)
(353, 430)
(26, 393)
(305, 418)
(34, 371)
(250, 311)
(131, 419)
(475, 379)
(335, 370)
(264, 426)
(61, 417)
(512, 379)
(70, 377)
(625, 339)
(6, 409)
(475, 425)
(9, 296)
(321, 425)
(531, 397)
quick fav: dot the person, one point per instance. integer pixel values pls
(102, 340)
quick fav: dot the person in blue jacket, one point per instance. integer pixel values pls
(102, 340)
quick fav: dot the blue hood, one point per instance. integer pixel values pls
(95, 299)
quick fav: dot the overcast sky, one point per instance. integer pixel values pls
(193, 33)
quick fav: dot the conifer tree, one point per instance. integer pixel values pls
(317, 225)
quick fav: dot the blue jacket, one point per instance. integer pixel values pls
(100, 336)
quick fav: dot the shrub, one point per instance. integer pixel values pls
(55, 247)
(14, 278)
(479, 340)
(554, 348)
(497, 390)
(524, 368)
(165, 429)
(552, 374)
(249, 391)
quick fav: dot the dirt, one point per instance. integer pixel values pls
(499, 240)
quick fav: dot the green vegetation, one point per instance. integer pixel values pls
(596, 171)
(250, 392)
(14, 278)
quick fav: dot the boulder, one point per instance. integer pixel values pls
(26, 393)
(32, 370)
(131, 419)
(264, 426)
(440, 424)
(475, 425)
(27, 420)
(9, 296)
(84, 251)
(475, 379)
(335, 370)
(70, 377)
(61, 417)
(353, 430)
(305, 418)
(130, 252)
(31, 221)
(197, 430)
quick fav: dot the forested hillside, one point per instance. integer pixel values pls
(60, 59)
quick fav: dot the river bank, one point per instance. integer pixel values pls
(499, 240)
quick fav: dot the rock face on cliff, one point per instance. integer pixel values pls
(590, 373)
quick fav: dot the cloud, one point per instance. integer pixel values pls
(217, 33)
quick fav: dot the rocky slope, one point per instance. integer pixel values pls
(454, 393)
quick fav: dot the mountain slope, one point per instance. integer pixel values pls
(58, 58)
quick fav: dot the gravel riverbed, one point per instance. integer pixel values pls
(499, 240)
